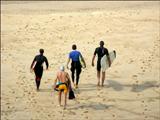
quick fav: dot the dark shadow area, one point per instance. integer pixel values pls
(134, 88)
(112, 84)
(45, 90)
(144, 86)
(115, 85)
(86, 87)
(95, 106)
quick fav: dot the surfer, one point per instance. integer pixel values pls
(37, 67)
(62, 83)
(100, 51)
(75, 64)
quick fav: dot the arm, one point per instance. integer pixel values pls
(68, 62)
(83, 60)
(46, 61)
(94, 56)
(55, 81)
(93, 60)
(33, 64)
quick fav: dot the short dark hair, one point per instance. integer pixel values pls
(41, 51)
(74, 47)
(101, 43)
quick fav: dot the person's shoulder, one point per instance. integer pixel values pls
(78, 52)
(106, 49)
(45, 57)
(58, 73)
(97, 48)
(71, 52)
(36, 56)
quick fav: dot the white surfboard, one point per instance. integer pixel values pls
(104, 60)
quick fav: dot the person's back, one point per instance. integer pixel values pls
(62, 84)
(74, 55)
(40, 59)
(37, 67)
(100, 51)
(62, 76)
(76, 66)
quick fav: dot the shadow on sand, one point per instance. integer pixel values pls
(134, 88)
(92, 105)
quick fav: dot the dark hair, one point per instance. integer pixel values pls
(101, 43)
(41, 51)
(74, 47)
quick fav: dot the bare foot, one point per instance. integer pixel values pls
(98, 84)
(64, 107)
(59, 105)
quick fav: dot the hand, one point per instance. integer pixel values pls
(67, 67)
(93, 64)
(109, 64)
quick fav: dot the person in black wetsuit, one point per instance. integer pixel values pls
(100, 51)
(37, 67)
(76, 64)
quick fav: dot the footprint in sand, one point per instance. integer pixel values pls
(142, 101)
(145, 109)
(134, 76)
(98, 95)
(87, 117)
(137, 82)
(46, 82)
(72, 113)
(146, 117)
(113, 115)
(138, 94)
(85, 111)
(61, 17)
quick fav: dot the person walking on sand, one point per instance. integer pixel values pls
(100, 51)
(62, 83)
(76, 65)
(37, 67)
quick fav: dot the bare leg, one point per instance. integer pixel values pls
(103, 78)
(59, 98)
(65, 100)
(98, 77)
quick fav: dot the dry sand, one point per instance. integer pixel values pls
(132, 85)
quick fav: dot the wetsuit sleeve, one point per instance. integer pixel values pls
(107, 53)
(95, 52)
(33, 61)
(46, 61)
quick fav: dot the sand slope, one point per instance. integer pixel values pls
(132, 83)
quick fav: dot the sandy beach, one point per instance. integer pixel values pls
(132, 84)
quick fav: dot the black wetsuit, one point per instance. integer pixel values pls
(75, 65)
(100, 51)
(38, 69)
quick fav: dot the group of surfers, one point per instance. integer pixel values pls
(63, 82)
